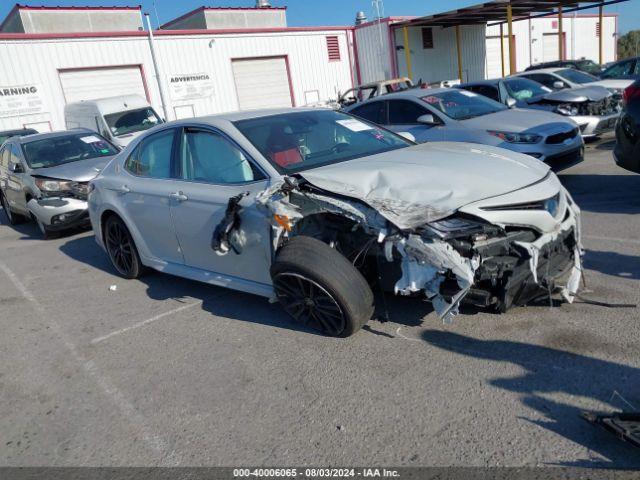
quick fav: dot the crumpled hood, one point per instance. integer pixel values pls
(416, 185)
(80, 171)
(594, 93)
(517, 120)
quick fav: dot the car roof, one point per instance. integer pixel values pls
(491, 81)
(58, 134)
(414, 92)
(546, 70)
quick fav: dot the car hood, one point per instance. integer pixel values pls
(424, 183)
(520, 121)
(615, 84)
(593, 93)
(80, 171)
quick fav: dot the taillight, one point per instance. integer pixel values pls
(630, 92)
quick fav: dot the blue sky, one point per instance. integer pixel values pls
(323, 12)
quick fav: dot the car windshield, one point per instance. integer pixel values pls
(523, 88)
(298, 141)
(51, 152)
(131, 121)
(462, 105)
(576, 76)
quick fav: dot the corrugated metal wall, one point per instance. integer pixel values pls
(440, 62)
(36, 62)
(374, 55)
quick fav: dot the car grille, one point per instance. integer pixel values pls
(565, 158)
(561, 137)
(606, 106)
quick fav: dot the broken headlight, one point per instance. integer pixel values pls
(511, 137)
(567, 109)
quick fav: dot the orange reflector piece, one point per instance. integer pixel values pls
(283, 221)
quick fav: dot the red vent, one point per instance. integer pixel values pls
(333, 46)
(597, 29)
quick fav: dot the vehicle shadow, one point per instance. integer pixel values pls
(550, 371)
(228, 303)
(604, 193)
(613, 263)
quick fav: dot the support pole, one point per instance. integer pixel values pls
(560, 34)
(459, 48)
(512, 53)
(600, 56)
(158, 72)
(407, 52)
(502, 50)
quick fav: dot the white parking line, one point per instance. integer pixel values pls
(143, 323)
(153, 441)
(613, 239)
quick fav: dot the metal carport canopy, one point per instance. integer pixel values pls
(501, 11)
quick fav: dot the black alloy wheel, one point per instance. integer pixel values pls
(309, 303)
(121, 249)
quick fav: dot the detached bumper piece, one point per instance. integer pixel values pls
(60, 213)
(626, 426)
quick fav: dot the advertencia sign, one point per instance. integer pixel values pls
(190, 86)
(20, 100)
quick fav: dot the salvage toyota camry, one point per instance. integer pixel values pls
(316, 208)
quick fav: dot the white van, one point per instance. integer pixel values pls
(118, 119)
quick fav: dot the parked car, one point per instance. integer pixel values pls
(562, 78)
(118, 119)
(594, 109)
(45, 176)
(583, 65)
(374, 89)
(627, 149)
(458, 115)
(627, 69)
(7, 134)
(303, 205)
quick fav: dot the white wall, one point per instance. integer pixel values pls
(36, 62)
(374, 54)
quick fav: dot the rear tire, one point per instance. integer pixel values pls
(14, 218)
(320, 288)
(121, 248)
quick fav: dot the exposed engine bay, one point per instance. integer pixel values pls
(450, 257)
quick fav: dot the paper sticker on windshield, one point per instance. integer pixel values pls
(90, 139)
(354, 125)
(467, 93)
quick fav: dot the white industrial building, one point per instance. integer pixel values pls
(214, 60)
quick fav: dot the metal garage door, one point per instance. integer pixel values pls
(95, 83)
(262, 83)
(494, 67)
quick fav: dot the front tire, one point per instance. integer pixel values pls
(121, 248)
(14, 218)
(320, 288)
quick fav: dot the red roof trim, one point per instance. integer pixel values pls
(167, 33)
(202, 9)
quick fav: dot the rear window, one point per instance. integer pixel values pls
(131, 121)
(461, 104)
(576, 76)
(51, 152)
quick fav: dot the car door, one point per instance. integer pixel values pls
(145, 192)
(213, 169)
(403, 117)
(14, 189)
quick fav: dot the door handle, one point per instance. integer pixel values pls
(123, 189)
(179, 196)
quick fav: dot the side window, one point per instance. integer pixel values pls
(405, 112)
(621, 69)
(211, 158)
(14, 155)
(374, 112)
(152, 157)
(546, 80)
(487, 91)
(636, 70)
(4, 157)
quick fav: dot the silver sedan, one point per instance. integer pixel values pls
(446, 114)
(312, 206)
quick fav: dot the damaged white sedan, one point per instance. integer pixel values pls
(316, 208)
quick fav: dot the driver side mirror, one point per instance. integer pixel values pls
(428, 119)
(558, 85)
(511, 102)
(16, 168)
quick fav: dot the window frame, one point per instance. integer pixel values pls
(172, 159)
(256, 167)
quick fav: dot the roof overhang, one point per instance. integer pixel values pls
(496, 11)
